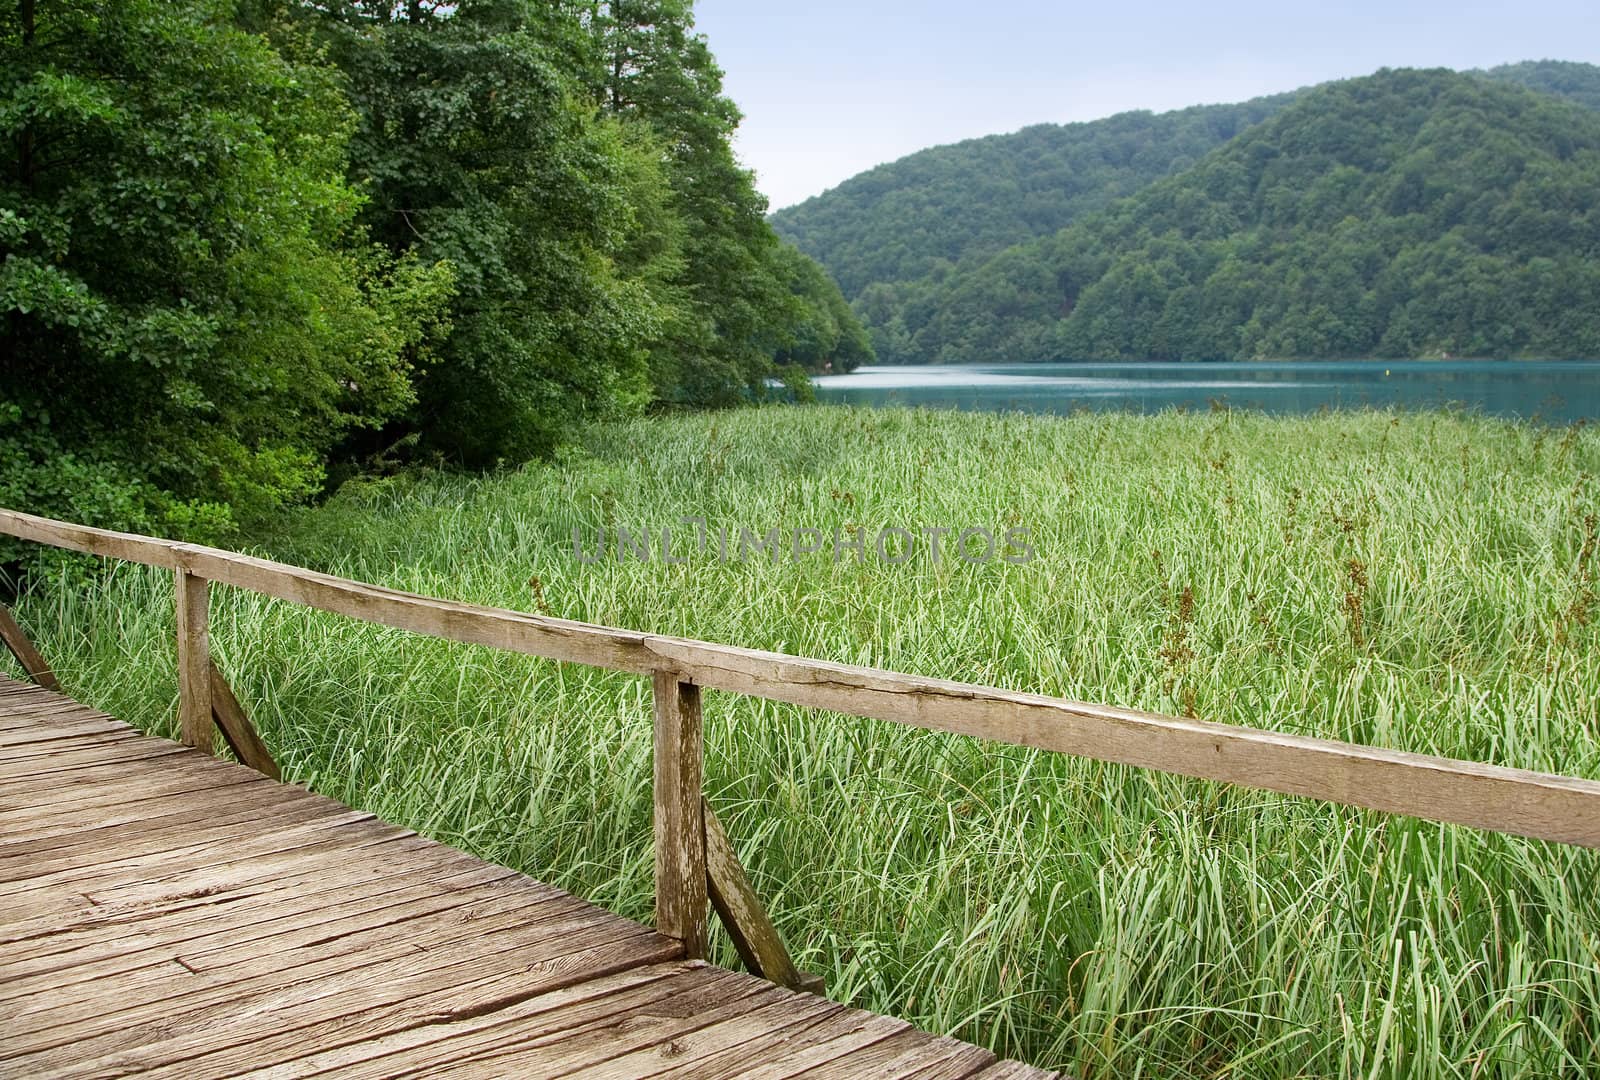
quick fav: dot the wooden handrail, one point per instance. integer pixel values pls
(694, 860)
(1497, 798)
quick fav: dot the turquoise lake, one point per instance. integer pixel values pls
(1551, 391)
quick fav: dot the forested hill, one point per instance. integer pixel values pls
(1409, 213)
(1563, 78)
(908, 240)
(252, 246)
(918, 216)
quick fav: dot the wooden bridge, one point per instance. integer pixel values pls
(165, 912)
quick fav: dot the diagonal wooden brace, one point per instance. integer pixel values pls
(740, 910)
(23, 649)
(237, 730)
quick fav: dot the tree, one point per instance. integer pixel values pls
(735, 312)
(192, 317)
(479, 151)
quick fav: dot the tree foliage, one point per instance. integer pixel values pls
(245, 242)
(1578, 83)
(918, 217)
(191, 319)
(477, 152)
(741, 297)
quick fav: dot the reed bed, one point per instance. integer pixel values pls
(1424, 581)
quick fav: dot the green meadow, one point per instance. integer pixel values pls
(1422, 581)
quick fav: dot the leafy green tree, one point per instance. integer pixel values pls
(191, 316)
(820, 331)
(733, 297)
(479, 151)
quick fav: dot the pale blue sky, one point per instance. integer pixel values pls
(830, 88)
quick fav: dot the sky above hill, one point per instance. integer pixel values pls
(830, 88)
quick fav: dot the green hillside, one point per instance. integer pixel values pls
(940, 251)
(1408, 213)
(918, 216)
(1563, 78)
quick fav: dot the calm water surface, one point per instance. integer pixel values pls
(1556, 392)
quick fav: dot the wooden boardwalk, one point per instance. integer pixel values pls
(165, 913)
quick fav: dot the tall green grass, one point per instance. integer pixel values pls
(1421, 581)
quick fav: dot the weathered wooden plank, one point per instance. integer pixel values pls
(47, 705)
(237, 729)
(680, 838)
(851, 1034)
(317, 892)
(816, 1020)
(718, 996)
(58, 763)
(271, 991)
(189, 858)
(281, 923)
(1485, 796)
(23, 698)
(229, 1035)
(699, 1052)
(26, 717)
(146, 856)
(78, 807)
(195, 705)
(910, 1053)
(243, 865)
(217, 822)
(736, 903)
(27, 654)
(128, 899)
(130, 547)
(485, 925)
(531, 1026)
(389, 1037)
(36, 839)
(204, 927)
(21, 758)
(87, 726)
(64, 794)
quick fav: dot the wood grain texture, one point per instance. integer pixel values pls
(237, 729)
(742, 913)
(679, 825)
(1517, 801)
(176, 916)
(194, 662)
(33, 663)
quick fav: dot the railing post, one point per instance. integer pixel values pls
(680, 837)
(196, 727)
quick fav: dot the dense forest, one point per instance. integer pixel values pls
(917, 217)
(945, 265)
(250, 247)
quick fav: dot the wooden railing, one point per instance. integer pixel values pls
(694, 862)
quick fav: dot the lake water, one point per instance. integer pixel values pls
(1552, 391)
